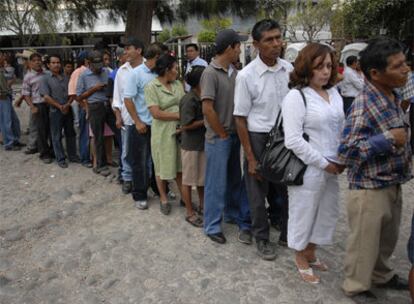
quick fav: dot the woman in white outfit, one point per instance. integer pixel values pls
(313, 206)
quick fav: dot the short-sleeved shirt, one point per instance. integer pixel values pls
(31, 85)
(88, 80)
(9, 72)
(217, 84)
(4, 89)
(134, 89)
(74, 79)
(197, 61)
(259, 93)
(190, 111)
(121, 79)
(55, 87)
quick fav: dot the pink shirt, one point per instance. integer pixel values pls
(74, 80)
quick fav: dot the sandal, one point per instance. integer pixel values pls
(308, 276)
(318, 265)
(165, 208)
(194, 220)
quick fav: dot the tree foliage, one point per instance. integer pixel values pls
(26, 18)
(369, 18)
(310, 19)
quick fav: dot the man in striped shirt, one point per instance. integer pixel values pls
(376, 150)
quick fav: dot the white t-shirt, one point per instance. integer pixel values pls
(259, 92)
(118, 98)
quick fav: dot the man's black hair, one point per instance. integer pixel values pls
(351, 60)
(193, 45)
(264, 26)
(375, 55)
(55, 56)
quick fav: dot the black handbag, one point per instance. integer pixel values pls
(278, 164)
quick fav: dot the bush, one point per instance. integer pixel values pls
(206, 36)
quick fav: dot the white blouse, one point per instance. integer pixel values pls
(322, 121)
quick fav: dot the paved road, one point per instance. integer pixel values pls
(70, 236)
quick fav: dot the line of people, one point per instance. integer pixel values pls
(194, 133)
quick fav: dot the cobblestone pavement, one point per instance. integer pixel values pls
(70, 236)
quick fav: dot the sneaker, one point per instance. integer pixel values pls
(63, 164)
(266, 250)
(75, 160)
(104, 171)
(126, 187)
(245, 237)
(141, 205)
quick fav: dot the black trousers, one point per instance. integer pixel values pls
(139, 158)
(412, 125)
(63, 122)
(41, 120)
(257, 191)
(99, 114)
(347, 103)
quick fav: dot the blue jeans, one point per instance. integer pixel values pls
(126, 168)
(83, 137)
(9, 123)
(223, 192)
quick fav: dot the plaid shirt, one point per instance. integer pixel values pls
(367, 145)
(407, 92)
(31, 85)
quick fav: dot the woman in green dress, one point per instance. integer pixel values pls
(163, 96)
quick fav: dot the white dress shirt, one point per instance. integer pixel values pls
(322, 121)
(352, 83)
(259, 93)
(118, 97)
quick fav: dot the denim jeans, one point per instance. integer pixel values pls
(138, 156)
(126, 168)
(223, 191)
(59, 122)
(32, 139)
(9, 123)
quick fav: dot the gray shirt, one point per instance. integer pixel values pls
(217, 84)
(56, 87)
(190, 111)
(87, 80)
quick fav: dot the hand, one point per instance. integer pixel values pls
(400, 136)
(18, 103)
(224, 135)
(179, 131)
(141, 127)
(66, 108)
(251, 168)
(99, 86)
(332, 168)
(34, 109)
(119, 123)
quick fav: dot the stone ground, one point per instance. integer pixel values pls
(70, 236)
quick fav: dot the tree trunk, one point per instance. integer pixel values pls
(139, 19)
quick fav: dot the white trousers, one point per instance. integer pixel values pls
(313, 209)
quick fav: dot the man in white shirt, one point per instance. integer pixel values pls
(260, 89)
(193, 59)
(122, 116)
(352, 83)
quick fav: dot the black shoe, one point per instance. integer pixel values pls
(126, 187)
(104, 171)
(87, 165)
(245, 237)
(31, 151)
(63, 164)
(75, 160)
(217, 237)
(395, 283)
(47, 160)
(266, 250)
(364, 297)
(19, 144)
(165, 208)
(13, 148)
(282, 243)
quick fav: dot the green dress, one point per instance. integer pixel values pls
(164, 146)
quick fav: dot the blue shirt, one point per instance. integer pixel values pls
(190, 64)
(112, 74)
(134, 89)
(87, 80)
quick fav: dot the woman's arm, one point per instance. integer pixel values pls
(157, 113)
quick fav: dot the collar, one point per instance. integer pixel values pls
(89, 72)
(126, 66)
(191, 61)
(380, 97)
(217, 66)
(262, 68)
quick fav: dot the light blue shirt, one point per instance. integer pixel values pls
(87, 80)
(196, 61)
(134, 89)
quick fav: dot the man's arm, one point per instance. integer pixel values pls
(243, 133)
(89, 92)
(139, 125)
(53, 102)
(212, 118)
